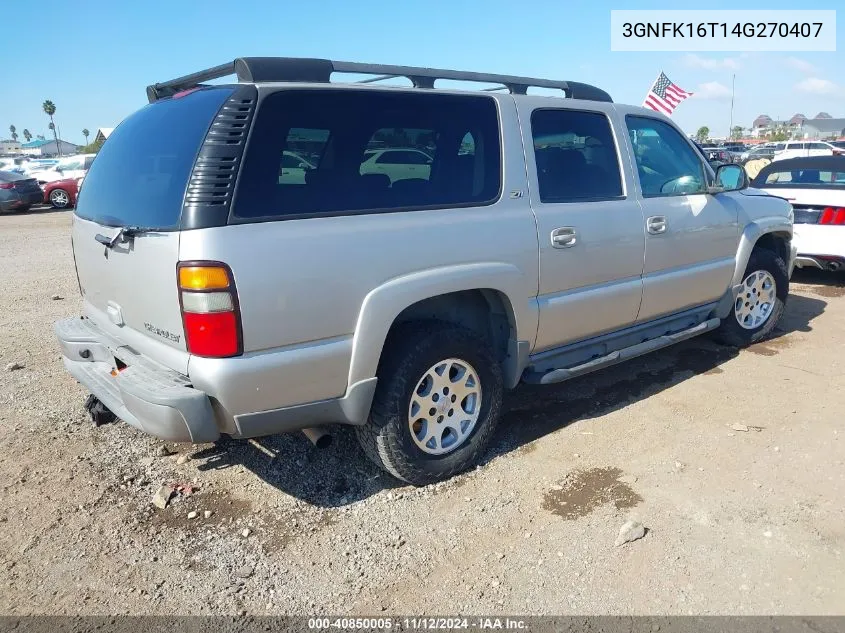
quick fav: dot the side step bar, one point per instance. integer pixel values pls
(559, 375)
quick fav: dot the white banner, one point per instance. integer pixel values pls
(723, 30)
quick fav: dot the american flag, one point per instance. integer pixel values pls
(665, 96)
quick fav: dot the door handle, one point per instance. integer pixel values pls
(564, 237)
(656, 224)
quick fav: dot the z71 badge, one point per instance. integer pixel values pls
(170, 336)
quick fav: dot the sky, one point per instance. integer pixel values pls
(107, 52)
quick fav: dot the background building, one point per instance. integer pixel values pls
(10, 147)
(48, 148)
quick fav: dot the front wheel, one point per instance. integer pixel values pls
(436, 405)
(760, 304)
(59, 198)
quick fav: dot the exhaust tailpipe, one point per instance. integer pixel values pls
(834, 266)
(319, 436)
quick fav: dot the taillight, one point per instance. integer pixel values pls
(7, 185)
(832, 215)
(210, 312)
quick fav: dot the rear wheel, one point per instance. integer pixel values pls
(760, 304)
(436, 404)
(59, 198)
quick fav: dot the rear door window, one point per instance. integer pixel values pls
(141, 173)
(370, 151)
(575, 155)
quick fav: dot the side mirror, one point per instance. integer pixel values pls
(731, 177)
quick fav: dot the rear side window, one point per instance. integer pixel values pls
(141, 173)
(575, 155)
(368, 151)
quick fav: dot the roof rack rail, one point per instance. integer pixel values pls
(270, 69)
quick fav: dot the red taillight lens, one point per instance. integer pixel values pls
(832, 215)
(210, 310)
(826, 216)
(7, 185)
(214, 334)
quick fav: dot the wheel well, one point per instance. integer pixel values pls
(778, 243)
(485, 311)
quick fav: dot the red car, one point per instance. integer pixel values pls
(62, 193)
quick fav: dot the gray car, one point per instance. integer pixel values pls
(18, 192)
(526, 239)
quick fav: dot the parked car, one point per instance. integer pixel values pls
(69, 167)
(838, 144)
(815, 186)
(18, 192)
(734, 150)
(711, 156)
(397, 163)
(547, 238)
(799, 149)
(717, 155)
(761, 151)
(61, 193)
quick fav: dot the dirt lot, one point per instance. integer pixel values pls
(739, 522)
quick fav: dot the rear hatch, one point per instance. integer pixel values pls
(137, 184)
(28, 190)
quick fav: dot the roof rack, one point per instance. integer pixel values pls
(271, 69)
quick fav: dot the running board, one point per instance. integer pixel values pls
(627, 353)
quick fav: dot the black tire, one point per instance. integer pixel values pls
(730, 331)
(410, 351)
(66, 202)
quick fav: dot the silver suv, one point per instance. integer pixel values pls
(285, 253)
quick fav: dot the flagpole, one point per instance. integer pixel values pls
(731, 127)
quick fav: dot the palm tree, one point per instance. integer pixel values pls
(85, 133)
(50, 109)
(27, 135)
(14, 132)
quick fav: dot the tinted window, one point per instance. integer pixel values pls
(88, 161)
(576, 156)
(666, 164)
(140, 175)
(374, 151)
(817, 146)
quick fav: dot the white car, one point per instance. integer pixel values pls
(801, 149)
(397, 163)
(69, 167)
(815, 186)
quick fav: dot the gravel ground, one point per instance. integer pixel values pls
(733, 461)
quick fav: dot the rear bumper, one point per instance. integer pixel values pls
(167, 404)
(819, 246)
(146, 395)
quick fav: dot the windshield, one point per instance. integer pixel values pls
(142, 171)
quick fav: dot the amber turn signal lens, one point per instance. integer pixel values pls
(203, 277)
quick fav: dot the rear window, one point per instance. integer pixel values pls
(142, 171)
(805, 177)
(368, 151)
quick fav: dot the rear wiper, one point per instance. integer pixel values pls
(125, 234)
